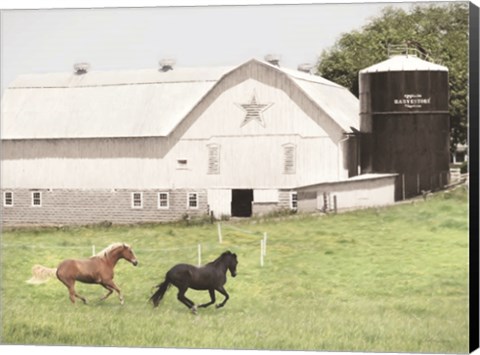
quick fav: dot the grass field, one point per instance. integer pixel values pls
(388, 280)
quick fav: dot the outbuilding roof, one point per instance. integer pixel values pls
(136, 103)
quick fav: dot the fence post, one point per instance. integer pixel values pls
(261, 252)
(93, 250)
(264, 243)
(335, 203)
(199, 252)
(418, 183)
(403, 186)
(219, 228)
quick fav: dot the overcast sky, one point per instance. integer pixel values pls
(52, 40)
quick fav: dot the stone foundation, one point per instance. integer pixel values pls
(81, 207)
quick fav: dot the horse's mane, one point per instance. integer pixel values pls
(223, 255)
(111, 247)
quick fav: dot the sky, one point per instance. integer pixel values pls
(116, 37)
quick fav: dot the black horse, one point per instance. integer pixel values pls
(210, 277)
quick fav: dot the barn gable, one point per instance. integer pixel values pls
(332, 108)
(257, 98)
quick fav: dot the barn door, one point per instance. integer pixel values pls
(242, 203)
(219, 202)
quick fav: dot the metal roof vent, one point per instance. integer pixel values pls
(273, 59)
(166, 64)
(81, 68)
(306, 68)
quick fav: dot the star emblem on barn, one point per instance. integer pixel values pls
(254, 110)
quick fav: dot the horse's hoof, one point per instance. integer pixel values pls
(194, 309)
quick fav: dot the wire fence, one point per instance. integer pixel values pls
(222, 228)
(88, 247)
(263, 240)
(245, 231)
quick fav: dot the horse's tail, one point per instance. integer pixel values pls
(158, 295)
(41, 274)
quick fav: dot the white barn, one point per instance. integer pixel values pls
(160, 144)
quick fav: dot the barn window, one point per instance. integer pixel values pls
(289, 159)
(182, 164)
(8, 199)
(36, 199)
(163, 200)
(293, 200)
(213, 159)
(192, 200)
(137, 200)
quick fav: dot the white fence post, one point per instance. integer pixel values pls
(199, 252)
(261, 252)
(265, 243)
(219, 233)
(93, 250)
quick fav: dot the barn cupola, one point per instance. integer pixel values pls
(81, 68)
(166, 64)
(273, 59)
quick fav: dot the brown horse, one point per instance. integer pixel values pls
(98, 269)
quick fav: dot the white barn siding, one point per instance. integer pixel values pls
(245, 162)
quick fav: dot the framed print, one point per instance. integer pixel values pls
(250, 176)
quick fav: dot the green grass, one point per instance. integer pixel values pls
(387, 280)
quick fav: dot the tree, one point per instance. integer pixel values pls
(439, 30)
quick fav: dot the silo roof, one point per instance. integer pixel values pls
(404, 63)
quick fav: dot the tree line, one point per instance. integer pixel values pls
(439, 31)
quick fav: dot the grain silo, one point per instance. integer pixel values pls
(405, 123)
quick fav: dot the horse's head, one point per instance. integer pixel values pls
(232, 262)
(129, 255)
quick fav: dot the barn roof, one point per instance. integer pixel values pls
(335, 100)
(136, 103)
